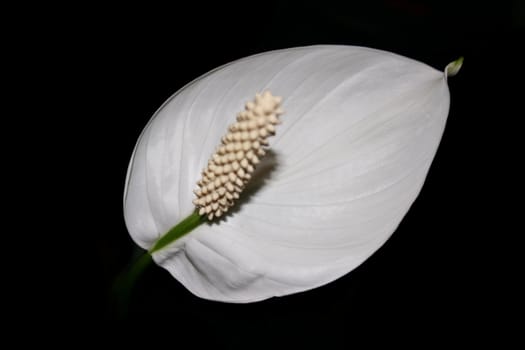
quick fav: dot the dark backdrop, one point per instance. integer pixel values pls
(434, 277)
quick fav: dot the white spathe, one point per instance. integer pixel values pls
(359, 132)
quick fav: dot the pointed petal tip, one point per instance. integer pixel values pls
(453, 67)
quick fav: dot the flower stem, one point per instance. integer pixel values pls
(124, 283)
(178, 231)
(126, 280)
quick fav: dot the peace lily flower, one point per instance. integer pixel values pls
(359, 131)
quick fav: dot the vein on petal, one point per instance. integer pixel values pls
(291, 168)
(188, 115)
(148, 186)
(317, 103)
(203, 274)
(292, 62)
(367, 194)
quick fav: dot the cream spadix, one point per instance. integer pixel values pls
(233, 163)
(361, 129)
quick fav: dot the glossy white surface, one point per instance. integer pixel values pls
(359, 134)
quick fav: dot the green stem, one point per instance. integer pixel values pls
(178, 231)
(126, 280)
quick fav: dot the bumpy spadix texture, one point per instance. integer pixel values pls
(361, 129)
(233, 163)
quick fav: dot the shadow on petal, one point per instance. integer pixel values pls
(262, 174)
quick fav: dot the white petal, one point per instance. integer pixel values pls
(359, 133)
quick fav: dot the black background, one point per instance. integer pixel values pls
(114, 67)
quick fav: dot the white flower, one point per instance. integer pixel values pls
(359, 133)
